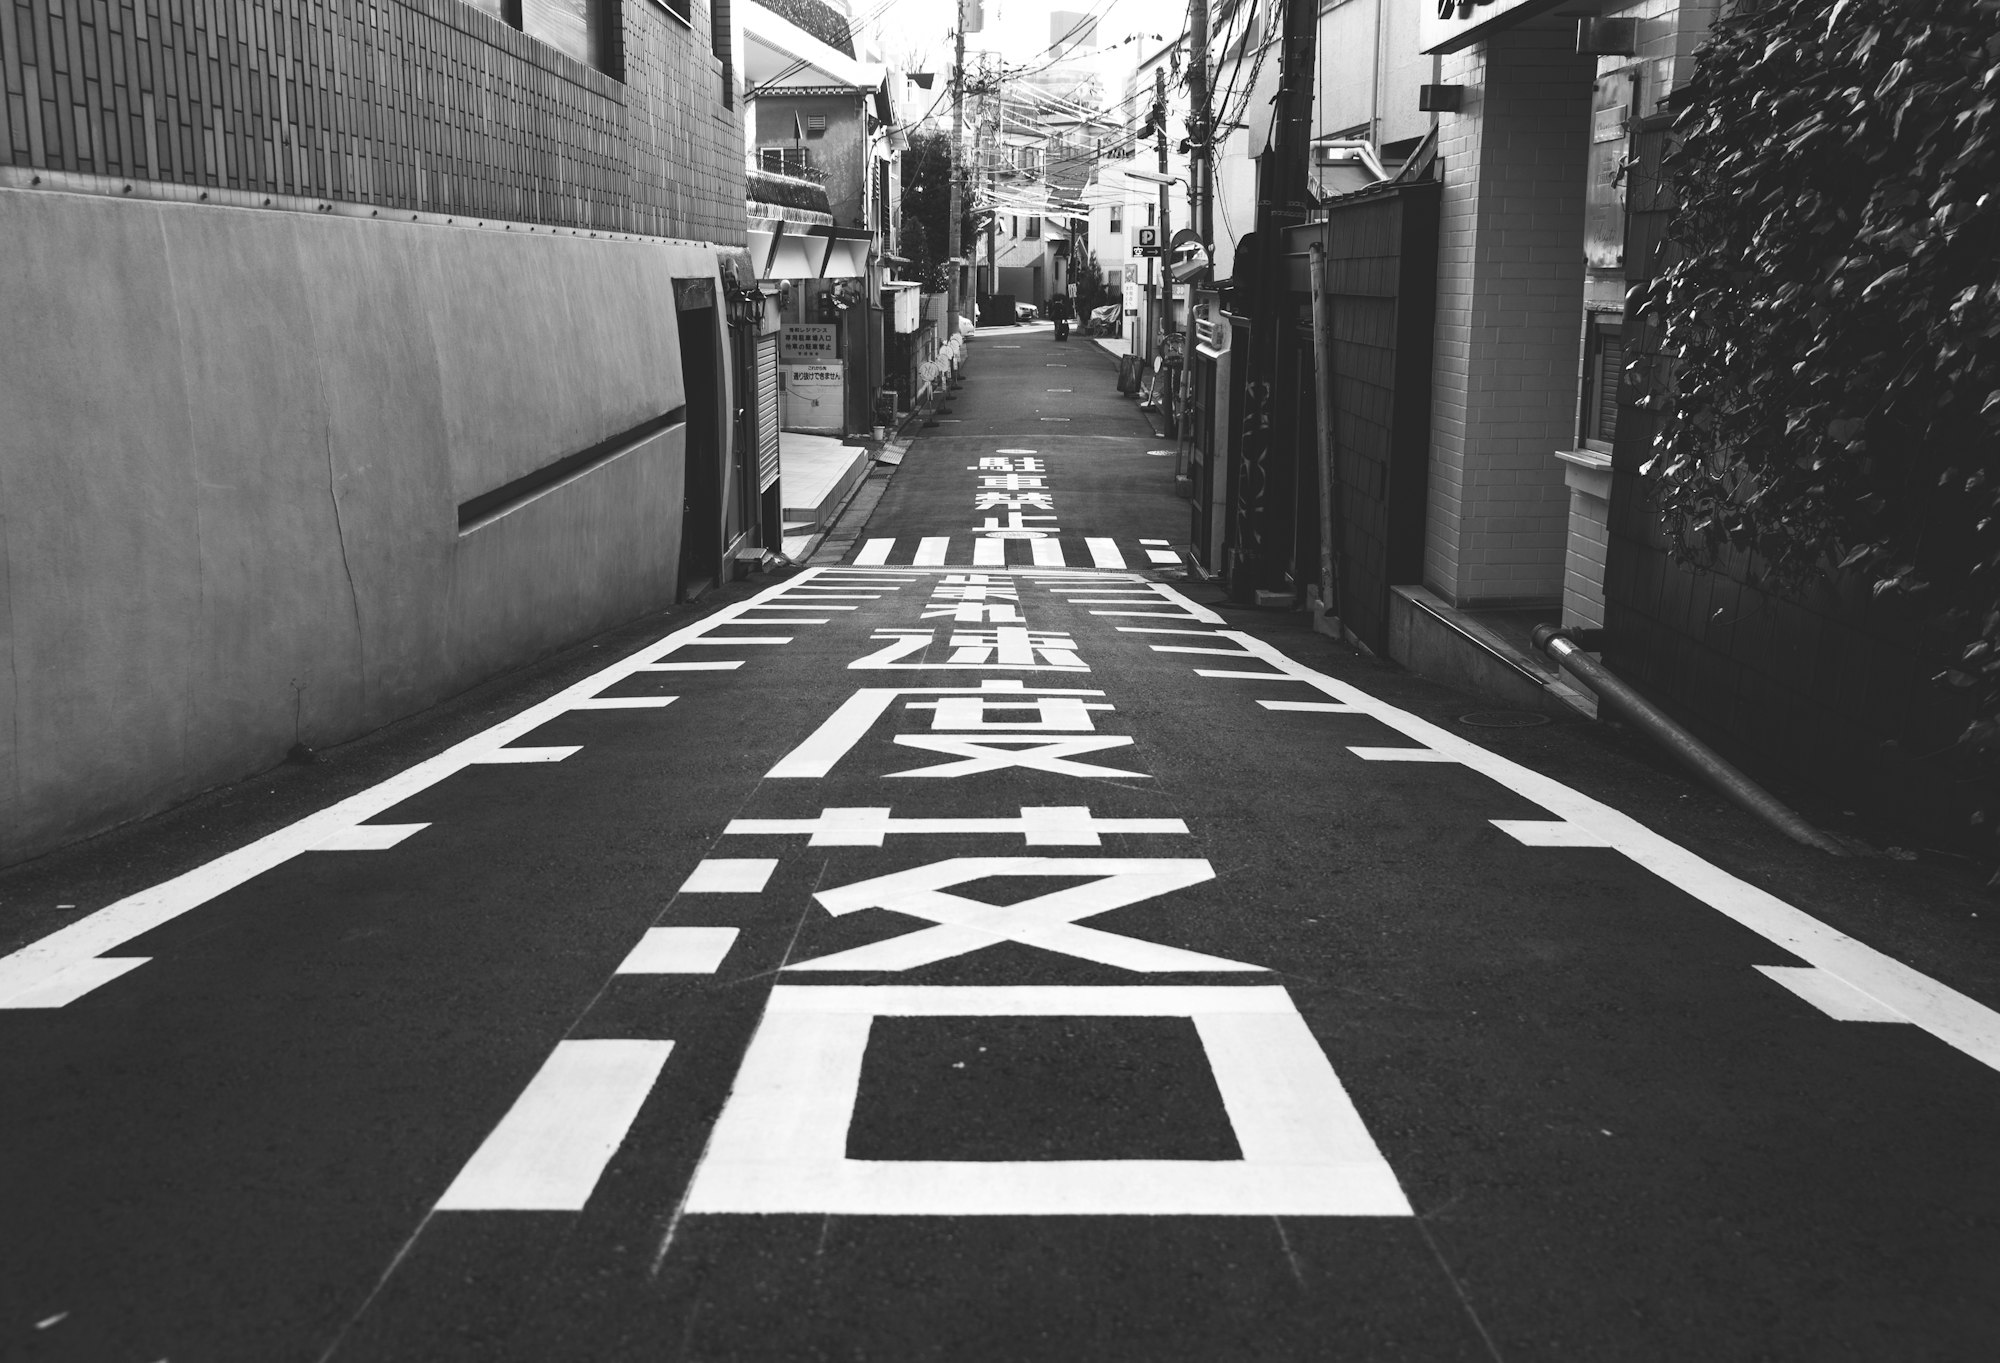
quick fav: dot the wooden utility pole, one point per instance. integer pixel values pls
(955, 252)
(1261, 559)
(1201, 161)
(1164, 305)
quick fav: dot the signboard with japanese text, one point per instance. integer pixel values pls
(814, 395)
(807, 343)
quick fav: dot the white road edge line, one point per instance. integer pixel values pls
(548, 1152)
(70, 962)
(1953, 1018)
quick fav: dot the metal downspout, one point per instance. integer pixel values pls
(1703, 760)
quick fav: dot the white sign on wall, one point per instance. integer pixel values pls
(813, 397)
(807, 343)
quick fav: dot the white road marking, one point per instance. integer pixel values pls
(1048, 553)
(780, 1145)
(626, 703)
(989, 553)
(1185, 648)
(1245, 676)
(505, 755)
(730, 875)
(1160, 629)
(1014, 451)
(875, 551)
(1830, 994)
(982, 755)
(1062, 390)
(550, 1149)
(1104, 553)
(725, 640)
(368, 837)
(1038, 826)
(1163, 556)
(1156, 541)
(814, 603)
(1953, 1018)
(1047, 921)
(840, 731)
(1054, 418)
(719, 665)
(1401, 755)
(679, 951)
(70, 962)
(1313, 707)
(1548, 833)
(932, 549)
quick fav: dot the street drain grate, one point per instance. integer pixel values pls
(1503, 719)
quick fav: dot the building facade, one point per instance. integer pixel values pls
(355, 355)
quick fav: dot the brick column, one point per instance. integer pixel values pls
(1509, 312)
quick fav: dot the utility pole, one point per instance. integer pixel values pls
(955, 243)
(1165, 304)
(1201, 188)
(1261, 557)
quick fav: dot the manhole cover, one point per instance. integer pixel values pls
(1503, 719)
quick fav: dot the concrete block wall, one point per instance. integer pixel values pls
(1510, 293)
(233, 448)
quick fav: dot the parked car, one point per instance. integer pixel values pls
(1026, 312)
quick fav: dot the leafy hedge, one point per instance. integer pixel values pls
(1830, 312)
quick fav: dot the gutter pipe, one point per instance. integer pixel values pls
(1704, 761)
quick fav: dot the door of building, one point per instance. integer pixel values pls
(702, 510)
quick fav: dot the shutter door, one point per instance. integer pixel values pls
(767, 412)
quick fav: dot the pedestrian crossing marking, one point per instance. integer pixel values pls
(1163, 556)
(931, 550)
(1104, 553)
(989, 553)
(875, 551)
(1048, 553)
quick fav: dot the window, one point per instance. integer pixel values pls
(1034, 228)
(1117, 219)
(585, 30)
(1013, 227)
(815, 125)
(785, 160)
(718, 41)
(1603, 359)
(1114, 279)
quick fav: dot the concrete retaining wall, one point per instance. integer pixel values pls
(233, 444)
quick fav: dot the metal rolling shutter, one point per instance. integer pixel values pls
(767, 412)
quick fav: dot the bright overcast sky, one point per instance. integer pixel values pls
(1017, 30)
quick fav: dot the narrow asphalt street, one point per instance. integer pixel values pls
(991, 945)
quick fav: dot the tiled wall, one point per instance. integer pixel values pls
(1509, 299)
(427, 105)
(1583, 565)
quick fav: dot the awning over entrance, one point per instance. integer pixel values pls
(789, 250)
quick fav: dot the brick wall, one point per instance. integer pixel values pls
(1509, 295)
(426, 105)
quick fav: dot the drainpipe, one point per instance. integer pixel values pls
(1692, 753)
